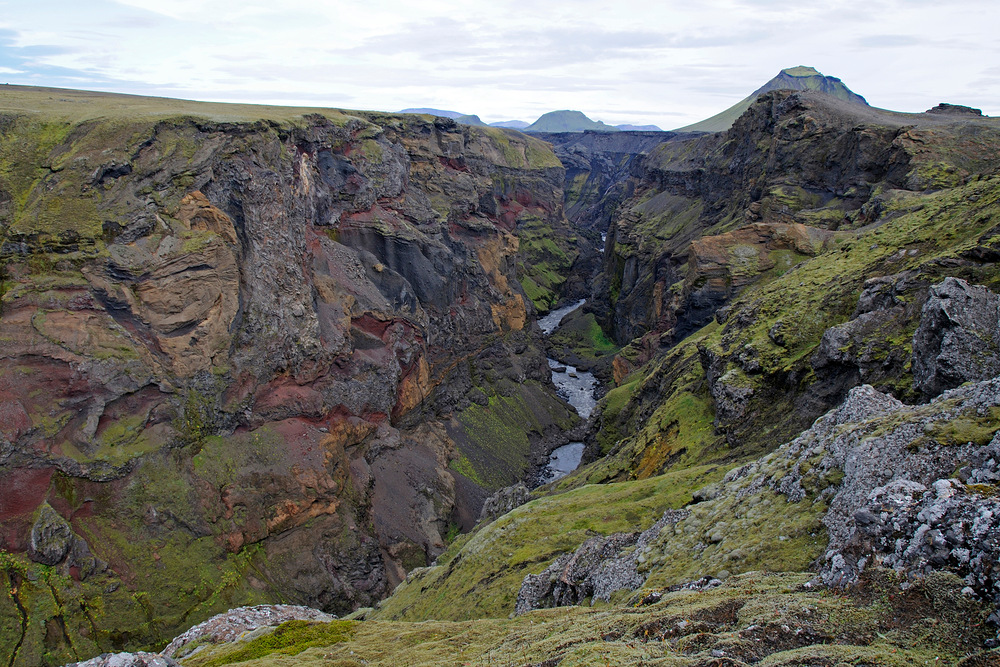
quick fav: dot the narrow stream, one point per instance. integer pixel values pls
(576, 388)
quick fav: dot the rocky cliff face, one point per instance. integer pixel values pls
(797, 166)
(598, 165)
(245, 359)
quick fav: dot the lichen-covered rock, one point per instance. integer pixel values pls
(890, 456)
(958, 339)
(139, 659)
(863, 348)
(598, 568)
(917, 530)
(504, 501)
(228, 626)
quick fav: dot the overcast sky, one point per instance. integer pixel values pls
(666, 62)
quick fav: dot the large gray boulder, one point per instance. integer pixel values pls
(958, 338)
(140, 659)
(235, 623)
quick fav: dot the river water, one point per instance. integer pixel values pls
(576, 388)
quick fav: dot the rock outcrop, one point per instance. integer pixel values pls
(238, 623)
(504, 501)
(876, 472)
(764, 332)
(897, 504)
(139, 659)
(767, 169)
(599, 567)
(958, 339)
(231, 353)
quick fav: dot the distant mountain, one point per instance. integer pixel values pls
(793, 78)
(471, 119)
(554, 121)
(512, 124)
(567, 121)
(435, 112)
(463, 118)
(639, 128)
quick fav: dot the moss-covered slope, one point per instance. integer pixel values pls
(756, 618)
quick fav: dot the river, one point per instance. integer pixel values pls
(576, 388)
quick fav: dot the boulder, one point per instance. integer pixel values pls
(503, 501)
(230, 625)
(140, 659)
(51, 537)
(958, 339)
(598, 568)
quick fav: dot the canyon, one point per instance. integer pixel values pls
(252, 356)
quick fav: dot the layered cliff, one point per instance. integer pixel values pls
(253, 353)
(713, 214)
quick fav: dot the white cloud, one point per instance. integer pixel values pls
(667, 63)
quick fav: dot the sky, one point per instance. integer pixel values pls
(668, 63)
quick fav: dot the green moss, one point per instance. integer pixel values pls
(520, 151)
(289, 638)
(783, 261)
(496, 443)
(821, 291)
(764, 532)
(612, 405)
(372, 151)
(790, 197)
(545, 258)
(543, 299)
(479, 576)
(937, 175)
(976, 429)
(677, 427)
(661, 218)
(582, 335)
(464, 466)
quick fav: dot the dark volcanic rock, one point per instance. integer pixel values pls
(862, 349)
(792, 157)
(51, 537)
(955, 109)
(958, 339)
(235, 347)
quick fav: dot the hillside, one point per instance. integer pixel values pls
(286, 360)
(793, 78)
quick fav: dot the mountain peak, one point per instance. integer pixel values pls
(801, 70)
(791, 78)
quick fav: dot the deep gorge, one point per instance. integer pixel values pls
(286, 356)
